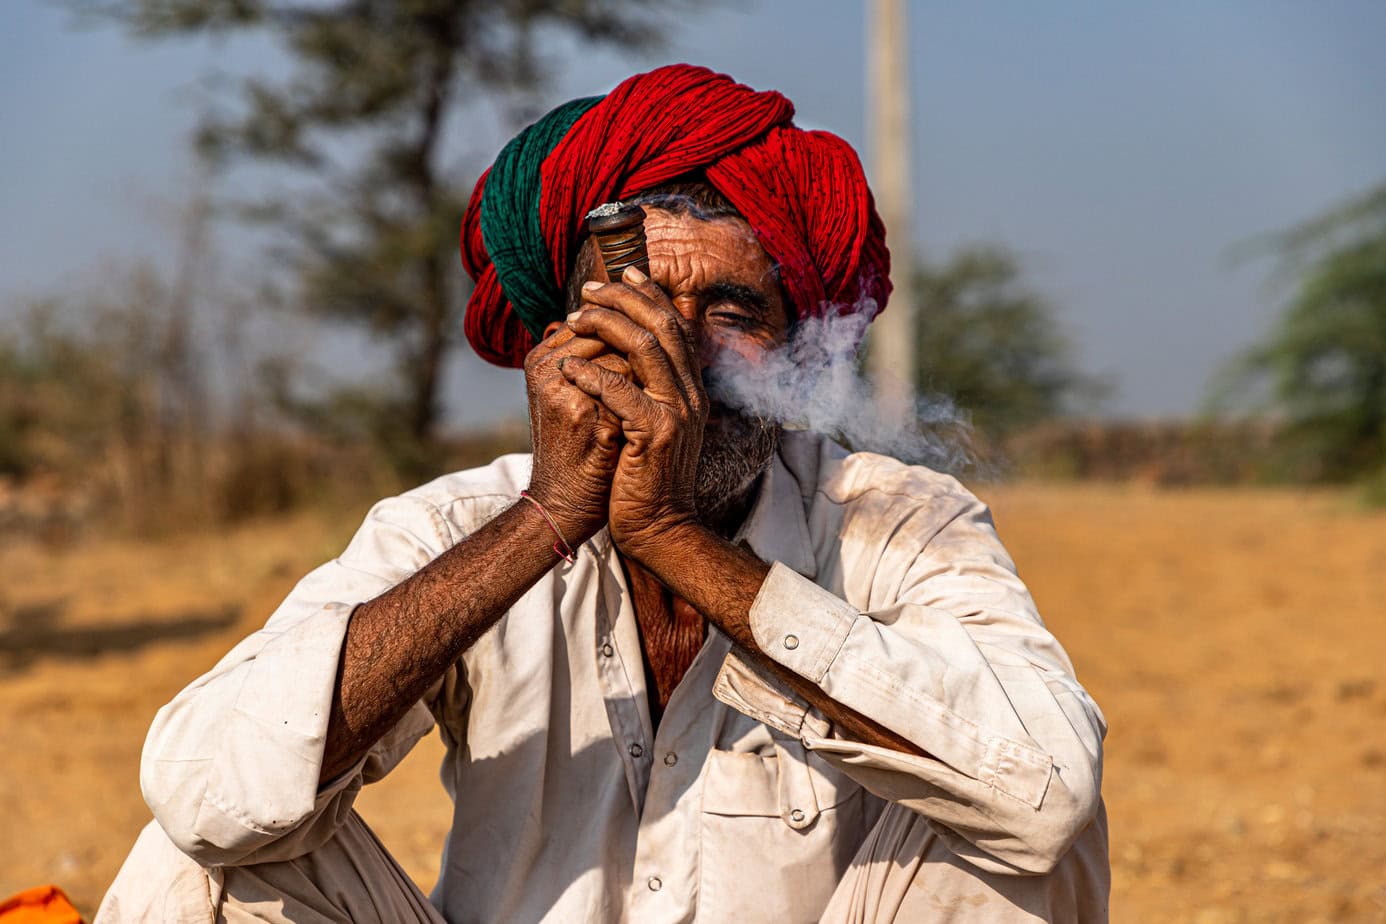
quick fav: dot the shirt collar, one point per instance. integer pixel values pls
(776, 529)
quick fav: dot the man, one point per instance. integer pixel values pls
(685, 664)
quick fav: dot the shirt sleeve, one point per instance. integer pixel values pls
(230, 767)
(957, 661)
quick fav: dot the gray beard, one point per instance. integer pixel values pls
(736, 451)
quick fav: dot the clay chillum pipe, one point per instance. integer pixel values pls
(619, 233)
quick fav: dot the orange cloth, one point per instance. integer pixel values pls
(40, 905)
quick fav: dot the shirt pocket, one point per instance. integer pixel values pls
(778, 831)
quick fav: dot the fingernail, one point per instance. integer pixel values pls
(633, 276)
(574, 316)
(562, 361)
(591, 286)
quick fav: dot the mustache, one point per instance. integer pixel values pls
(729, 417)
(725, 402)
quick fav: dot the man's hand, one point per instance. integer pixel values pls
(662, 407)
(398, 644)
(576, 440)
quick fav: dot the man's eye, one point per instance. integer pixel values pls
(735, 319)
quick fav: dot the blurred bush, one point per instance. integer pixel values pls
(994, 345)
(108, 421)
(1321, 371)
(1166, 453)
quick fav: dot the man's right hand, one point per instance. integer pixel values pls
(399, 643)
(577, 442)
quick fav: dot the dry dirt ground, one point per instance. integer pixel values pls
(1233, 638)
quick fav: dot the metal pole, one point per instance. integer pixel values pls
(891, 360)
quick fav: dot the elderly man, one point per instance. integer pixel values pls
(685, 664)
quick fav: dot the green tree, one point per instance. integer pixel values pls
(1322, 370)
(372, 238)
(993, 345)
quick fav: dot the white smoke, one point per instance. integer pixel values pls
(813, 382)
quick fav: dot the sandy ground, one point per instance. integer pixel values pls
(1233, 638)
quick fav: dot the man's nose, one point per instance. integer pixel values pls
(701, 342)
(708, 348)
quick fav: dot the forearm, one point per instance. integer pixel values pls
(400, 643)
(721, 581)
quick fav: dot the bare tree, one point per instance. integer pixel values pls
(372, 239)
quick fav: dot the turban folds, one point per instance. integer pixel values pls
(802, 192)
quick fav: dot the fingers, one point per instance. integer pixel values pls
(607, 431)
(564, 342)
(638, 298)
(581, 347)
(548, 388)
(613, 362)
(647, 357)
(618, 394)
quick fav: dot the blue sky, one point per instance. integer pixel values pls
(1119, 148)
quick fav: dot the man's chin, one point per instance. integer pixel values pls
(737, 450)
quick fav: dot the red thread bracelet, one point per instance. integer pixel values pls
(561, 548)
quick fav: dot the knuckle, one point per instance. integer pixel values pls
(670, 325)
(646, 342)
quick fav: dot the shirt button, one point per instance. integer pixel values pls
(654, 884)
(791, 642)
(797, 815)
(636, 750)
(670, 759)
(608, 651)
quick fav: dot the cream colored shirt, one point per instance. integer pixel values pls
(889, 589)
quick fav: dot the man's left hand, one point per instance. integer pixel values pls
(662, 409)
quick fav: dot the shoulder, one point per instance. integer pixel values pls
(870, 483)
(457, 503)
(880, 526)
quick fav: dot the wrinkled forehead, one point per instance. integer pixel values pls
(689, 254)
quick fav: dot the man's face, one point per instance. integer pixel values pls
(721, 279)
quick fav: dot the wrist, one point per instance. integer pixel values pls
(718, 578)
(554, 531)
(667, 542)
(575, 524)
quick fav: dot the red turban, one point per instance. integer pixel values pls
(803, 193)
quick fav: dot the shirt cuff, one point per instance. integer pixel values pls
(761, 696)
(798, 624)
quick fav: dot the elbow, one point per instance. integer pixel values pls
(173, 788)
(1050, 832)
(177, 790)
(227, 806)
(174, 784)
(212, 835)
(181, 830)
(174, 794)
(1022, 839)
(201, 821)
